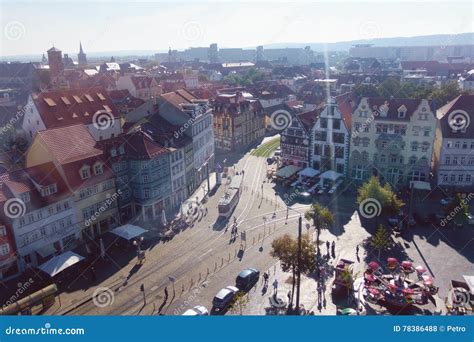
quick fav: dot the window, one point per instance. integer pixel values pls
(146, 192)
(4, 249)
(447, 160)
(324, 123)
(414, 146)
(3, 231)
(468, 178)
(85, 173)
(460, 178)
(336, 124)
(98, 169)
(145, 178)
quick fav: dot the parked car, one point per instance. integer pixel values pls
(470, 219)
(246, 279)
(393, 221)
(446, 201)
(277, 152)
(270, 160)
(198, 310)
(224, 298)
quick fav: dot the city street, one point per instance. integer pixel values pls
(192, 267)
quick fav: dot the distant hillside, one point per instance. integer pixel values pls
(437, 39)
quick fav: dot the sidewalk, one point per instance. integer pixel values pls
(109, 274)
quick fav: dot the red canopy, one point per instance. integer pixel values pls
(420, 269)
(407, 264)
(408, 291)
(392, 261)
(373, 265)
(427, 280)
(369, 277)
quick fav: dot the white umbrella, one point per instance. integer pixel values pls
(164, 222)
(102, 249)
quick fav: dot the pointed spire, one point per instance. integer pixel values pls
(80, 47)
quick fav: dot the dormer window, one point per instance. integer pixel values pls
(49, 190)
(383, 110)
(85, 172)
(113, 152)
(98, 168)
(25, 197)
(402, 111)
(122, 149)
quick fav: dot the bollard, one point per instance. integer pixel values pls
(199, 277)
(208, 271)
(215, 266)
(258, 237)
(222, 262)
(229, 257)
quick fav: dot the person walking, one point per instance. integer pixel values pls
(327, 246)
(357, 250)
(275, 287)
(265, 279)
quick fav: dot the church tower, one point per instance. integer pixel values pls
(81, 57)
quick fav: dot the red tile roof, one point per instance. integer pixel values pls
(70, 143)
(68, 107)
(464, 106)
(345, 103)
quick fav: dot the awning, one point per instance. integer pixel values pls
(287, 171)
(331, 175)
(46, 251)
(418, 185)
(308, 172)
(128, 231)
(60, 262)
(470, 282)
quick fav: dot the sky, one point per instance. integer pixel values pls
(32, 27)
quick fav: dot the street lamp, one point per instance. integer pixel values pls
(298, 273)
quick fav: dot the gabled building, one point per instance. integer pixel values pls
(8, 256)
(295, 139)
(453, 158)
(54, 109)
(330, 139)
(142, 167)
(239, 121)
(73, 152)
(194, 118)
(45, 220)
(143, 87)
(392, 139)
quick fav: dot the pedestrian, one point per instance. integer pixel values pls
(357, 250)
(275, 287)
(289, 296)
(265, 279)
(206, 211)
(327, 246)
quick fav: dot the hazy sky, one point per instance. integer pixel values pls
(31, 27)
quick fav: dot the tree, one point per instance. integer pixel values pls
(446, 93)
(347, 277)
(285, 249)
(381, 240)
(321, 217)
(365, 90)
(239, 303)
(458, 209)
(383, 196)
(390, 88)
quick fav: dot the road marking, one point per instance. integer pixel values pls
(154, 288)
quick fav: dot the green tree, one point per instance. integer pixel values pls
(347, 277)
(366, 90)
(239, 303)
(321, 217)
(285, 249)
(446, 93)
(381, 240)
(389, 88)
(372, 190)
(457, 209)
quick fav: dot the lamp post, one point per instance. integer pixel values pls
(298, 273)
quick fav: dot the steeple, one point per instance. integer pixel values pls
(81, 56)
